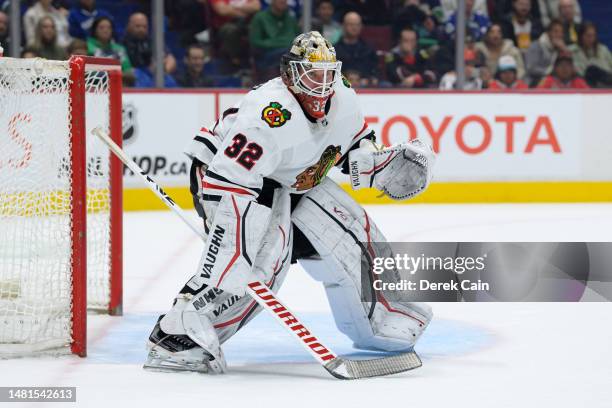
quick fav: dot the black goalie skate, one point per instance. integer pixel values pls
(177, 352)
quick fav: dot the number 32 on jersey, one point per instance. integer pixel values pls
(244, 152)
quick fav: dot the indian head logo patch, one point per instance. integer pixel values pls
(274, 115)
(313, 175)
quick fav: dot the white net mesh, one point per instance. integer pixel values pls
(35, 203)
(98, 191)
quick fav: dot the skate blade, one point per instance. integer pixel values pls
(173, 367)
(162, 363)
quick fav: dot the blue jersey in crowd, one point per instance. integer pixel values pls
(477, 25)
(81, 20)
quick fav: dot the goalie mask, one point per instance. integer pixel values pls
(310, 70)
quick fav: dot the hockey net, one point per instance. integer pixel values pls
(60, 201)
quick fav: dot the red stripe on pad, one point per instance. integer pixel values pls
(206, 184)
(237, 253)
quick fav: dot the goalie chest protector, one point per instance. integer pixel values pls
(268, 135)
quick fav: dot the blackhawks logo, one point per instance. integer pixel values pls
(274, 115)
(315, 173)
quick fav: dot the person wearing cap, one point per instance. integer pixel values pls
(472, 74)
(563, 76)
(506, 76)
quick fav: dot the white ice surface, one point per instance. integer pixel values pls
(474, 354)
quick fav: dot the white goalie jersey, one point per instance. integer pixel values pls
(269, 135)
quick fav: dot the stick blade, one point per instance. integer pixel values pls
(353, 369)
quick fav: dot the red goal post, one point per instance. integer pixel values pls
(60, 201)
(79, 66)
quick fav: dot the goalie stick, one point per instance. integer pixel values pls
(339, 367)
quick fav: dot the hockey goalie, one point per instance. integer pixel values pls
(259, 182)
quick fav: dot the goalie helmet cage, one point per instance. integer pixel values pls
(60, 202)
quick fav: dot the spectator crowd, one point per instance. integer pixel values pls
(509, 44)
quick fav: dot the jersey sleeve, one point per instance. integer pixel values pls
(204, 145)
(207, 141)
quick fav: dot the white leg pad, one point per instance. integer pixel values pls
(224, 312)
(339, 229)
(233, 242)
